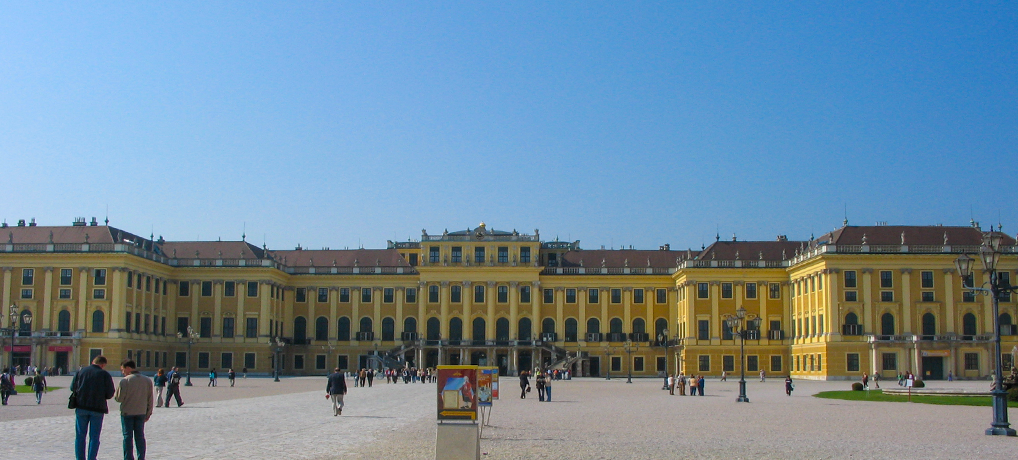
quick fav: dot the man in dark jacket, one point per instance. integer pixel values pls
(335, 390)
(93, 386)
(173, 387)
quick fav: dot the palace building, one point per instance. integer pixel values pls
(877, 299)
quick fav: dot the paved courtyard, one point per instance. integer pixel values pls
(588, 419)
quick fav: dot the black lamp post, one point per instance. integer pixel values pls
(608, 351)
(629, 347)
(989, 253)
(13, 329)
(737, 324)
(192, 337)
(662, 339)
(277, 345)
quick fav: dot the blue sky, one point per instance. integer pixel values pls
(615, 123)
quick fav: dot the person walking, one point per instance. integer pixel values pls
(671, 384)
(724, 376)
(173, 387)
(876, 379)
(547, 387)
(700, 384)
(160, 386)
(524, 385)
(212, 377)
(866, 380)
(232, 376)
(682, 383)
(541, 381)
(93, 386)
(371, 376)
(39, 386)
(335, 389)
(244, 371)
(788, 385)
(763, 375)
(6, 385)
(134, 393)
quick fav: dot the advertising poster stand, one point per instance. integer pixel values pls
(458, 434)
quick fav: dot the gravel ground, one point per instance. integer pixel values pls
(588, 419)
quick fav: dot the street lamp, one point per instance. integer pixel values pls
(737, 324)
(13, 329)
(662, 339)
(192, 337)
(629, 347)
(277, 345)
(989, 253)
(608, 351)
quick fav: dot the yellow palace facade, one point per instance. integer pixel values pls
(878, 299)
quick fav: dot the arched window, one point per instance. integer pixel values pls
(98, 321)
(455, 329)
(524, 332)
(64, 321)
(660, 325)
(968, 325)
(548, 326)
(593, 326)
(322, 329)
(300, 330)
(410, 324)
(365, 324)
(388, 329)
(571, 329)
(1005, 319)
(343, 329)
(929, 325)
(1006, 328)
(478, 332)
(615, 326)
(639, 326)
(887, 324)
(434, 329)
(852, 319)
(502, 329)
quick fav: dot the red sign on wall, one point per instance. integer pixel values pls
(19, 348)
(61, 348)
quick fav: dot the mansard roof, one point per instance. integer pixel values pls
(611, 258)
(931, 235)
(752, 250)
(66, 235)
(212, 250)
(340, 258)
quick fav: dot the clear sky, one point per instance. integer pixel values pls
(615, 123)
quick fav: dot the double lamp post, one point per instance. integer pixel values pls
(989, 254)
(740, 324)
(13, 329)
(192, 337)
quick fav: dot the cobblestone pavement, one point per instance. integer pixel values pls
(588, 419)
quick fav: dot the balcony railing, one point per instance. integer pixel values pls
(851, 329)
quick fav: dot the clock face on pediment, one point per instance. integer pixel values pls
(479, 234)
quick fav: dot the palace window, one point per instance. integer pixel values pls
(704, 363)
(65, 293)
(703, 329)
(752, 363)
(99, 277)
(750, 290)
(927, 280)
(433, 254)
(549, 296)
(1005, 280)
(503, 293)
(726, 290)
(252, 328)
(323, 294)
(503, 254)
(98, 294)
(206, 289)
(184, 289)
(616, 295)
(852, 362)
(928, 296)
(889, 361)
(637, 295)
(433, 293)
(226, 361)
(344, 294)
(229, 288)
(886, 279)
(411, 295)
(662, 296)
(388, 295)
(972, 361)
(457, 255)
(570, 295)
(592, 295)
(301, 295)
(228, 327)
(850, 279)
(479, 255)
(524, 294)
(702, 291)
(887, 296)
(65, 276)
(365, 295)
(455, 293)
(479, 293)
(252, 289)
(775, 290)
(776, 363)
(851, 296)
(249, 360)
(525, 255)
(638, 364)
(728, 363)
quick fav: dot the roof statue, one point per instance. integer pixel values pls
(864, 239)
(903, 238)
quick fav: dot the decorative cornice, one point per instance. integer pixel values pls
(444, 284)
(491, 284)
(514, 284)
(907, 271)
(867, 270)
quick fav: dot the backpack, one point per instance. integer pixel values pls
(5, 382)
(175, 380)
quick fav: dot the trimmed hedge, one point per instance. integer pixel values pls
(919, 384)
(1012, 394)
(857, 386)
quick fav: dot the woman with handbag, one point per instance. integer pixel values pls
(524, 385)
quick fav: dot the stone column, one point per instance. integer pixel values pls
(443, 298)
(355, 310)
(535, 309)
(514, 308)
(47, 301)
(906, 301)
(217, 317)
(467, 304)
(489, 324)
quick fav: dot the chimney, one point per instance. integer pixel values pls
(78, 222)
(782, 237)
(94, 223)
(21, 222)
(32, 223)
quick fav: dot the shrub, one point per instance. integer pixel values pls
(919, 384)
(857, 386)
(28, 381)
(1012, 394)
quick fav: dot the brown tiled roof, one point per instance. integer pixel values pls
(212, 250)
(751, 250)
(932, 235)
(635, 258)
(341, 258)
(61, 235)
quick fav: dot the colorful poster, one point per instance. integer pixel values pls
(485, 377)
(457, 395)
